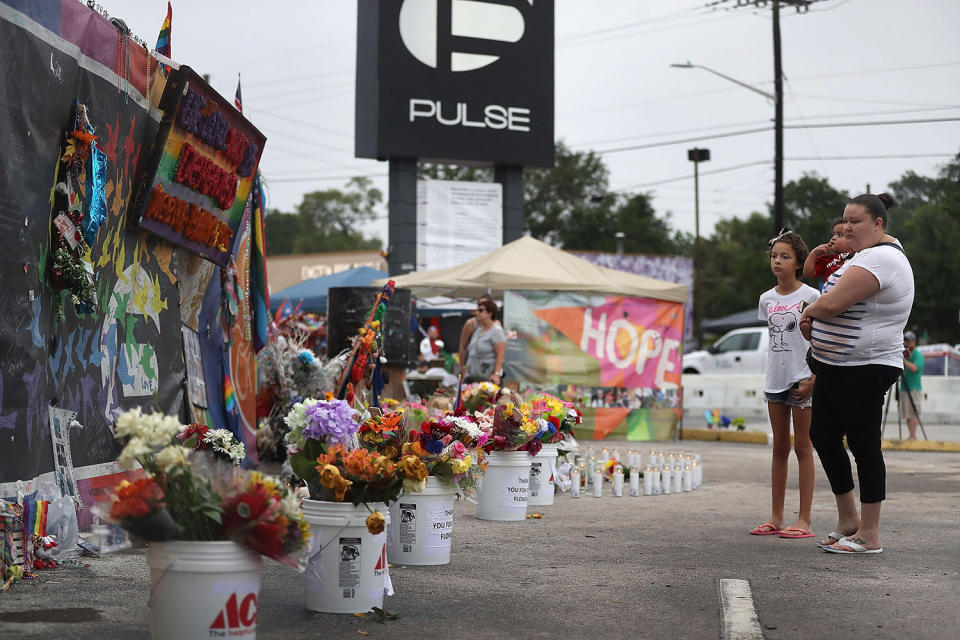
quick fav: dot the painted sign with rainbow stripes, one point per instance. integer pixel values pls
(616, 357)
(201, 169)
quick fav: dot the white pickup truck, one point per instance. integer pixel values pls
(741, 351)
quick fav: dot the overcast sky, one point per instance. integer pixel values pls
(845, 61)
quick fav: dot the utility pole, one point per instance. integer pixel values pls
(802, 6)
(778, 124)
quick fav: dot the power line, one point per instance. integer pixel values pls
(791, 159)
(821, 125)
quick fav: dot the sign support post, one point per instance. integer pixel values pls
(511, 177)
(402, 209)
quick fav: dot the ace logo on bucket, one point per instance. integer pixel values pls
(238, 617)
(467, 80)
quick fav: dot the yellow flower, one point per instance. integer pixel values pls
(376, 522)
(461, 466)
(528, 426)
(375, 325)
(508, 410)
(329, 475)
(414, 468)
(340, 488)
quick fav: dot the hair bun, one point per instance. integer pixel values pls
(887, 200)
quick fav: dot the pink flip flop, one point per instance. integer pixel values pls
(765, 529)
(796, 532)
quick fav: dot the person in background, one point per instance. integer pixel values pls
(827, 258)
(468, 328)
(911, 385)
(487, 346)
(788, 384)
(431, 346)
(856, 338)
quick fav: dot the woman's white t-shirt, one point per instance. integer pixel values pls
(786, 359)
(871, 331)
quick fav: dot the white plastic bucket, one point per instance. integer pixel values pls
(504, 492)
(543, 466)
(347, 572)
(203, 590)
(421, 525)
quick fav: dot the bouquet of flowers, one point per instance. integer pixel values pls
(476, 395)
(221, 443)
(451, 447)
(321, 436)
(512, 429)
(289, 372)
(555, 417)
(186, 494)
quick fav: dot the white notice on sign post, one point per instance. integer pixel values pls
(457, 222)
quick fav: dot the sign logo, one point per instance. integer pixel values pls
(381, 561)
(477, 20)
(236, 619)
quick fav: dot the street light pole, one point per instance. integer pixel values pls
(696, 156)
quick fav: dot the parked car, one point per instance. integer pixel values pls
(741, 351)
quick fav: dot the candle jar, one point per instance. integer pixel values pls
(660, 459)
(618, 482)
(634, 482)
(652, 458)
(677, 478)
(648, 481)
(597, 484)
(655, 488)
(687, 478)
(575, 483)
(666, 476)
(604, 454)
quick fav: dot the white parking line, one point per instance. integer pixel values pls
(738, 617)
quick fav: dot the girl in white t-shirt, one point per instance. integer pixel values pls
(789, 383)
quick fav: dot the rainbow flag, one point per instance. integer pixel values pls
(35, 517)
(163, 40)
(229, 395)
(259, 294)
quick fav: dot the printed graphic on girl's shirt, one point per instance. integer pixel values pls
(781, 320)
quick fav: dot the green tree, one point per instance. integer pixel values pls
(735, 265)
(810, 204)
(325, 221)
(927, 223)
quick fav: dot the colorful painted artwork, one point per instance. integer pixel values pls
(617, 357)
(200, 170)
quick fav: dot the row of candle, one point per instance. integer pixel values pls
(664, 473)
(634, 458)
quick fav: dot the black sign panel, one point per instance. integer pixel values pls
(457, 80)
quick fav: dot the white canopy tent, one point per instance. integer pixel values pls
(528, 264)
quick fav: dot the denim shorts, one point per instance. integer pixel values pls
(786, 397)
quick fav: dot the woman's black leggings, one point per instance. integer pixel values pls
(848, 401)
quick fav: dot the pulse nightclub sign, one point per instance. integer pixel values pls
(457, 80)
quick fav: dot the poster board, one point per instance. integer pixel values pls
(617, 357)
(200, 169)
(457, 222)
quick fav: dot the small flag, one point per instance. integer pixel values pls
(237, 100)
(163, 40)
(35, 517)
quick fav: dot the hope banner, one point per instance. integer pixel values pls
(617, 357)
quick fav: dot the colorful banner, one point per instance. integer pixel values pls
(200, 171)
(617, 357)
